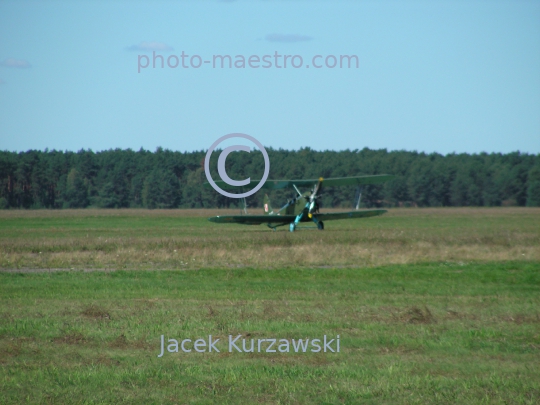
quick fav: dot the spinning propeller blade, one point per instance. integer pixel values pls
(312, 199)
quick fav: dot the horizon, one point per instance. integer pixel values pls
(47, 150)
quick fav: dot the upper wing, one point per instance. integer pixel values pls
(356, 181)
(253, 219)
(347, 215)
(334, 181)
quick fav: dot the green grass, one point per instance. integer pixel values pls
(431, 333)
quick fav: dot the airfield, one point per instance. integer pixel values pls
(432, 305)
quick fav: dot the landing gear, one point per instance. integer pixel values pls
(320, 226)
(292, 227)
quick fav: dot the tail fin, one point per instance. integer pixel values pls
(267, 207)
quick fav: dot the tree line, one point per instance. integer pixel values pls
(169, 179)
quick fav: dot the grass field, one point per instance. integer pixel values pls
(184, 239)
(431, 306)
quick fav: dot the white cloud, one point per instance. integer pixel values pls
(151, 46)
(287, 38)
(15, 63)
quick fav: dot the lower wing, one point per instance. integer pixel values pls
(253, 219)
(348, 215)
(287, 219)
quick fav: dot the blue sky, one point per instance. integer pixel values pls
(445, 76)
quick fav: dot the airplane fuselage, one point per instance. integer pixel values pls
(298, 205)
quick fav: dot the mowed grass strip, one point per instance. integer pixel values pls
(184, 239)
(431, 333)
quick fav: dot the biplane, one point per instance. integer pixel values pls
(304, 206)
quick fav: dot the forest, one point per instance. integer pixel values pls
(170, 179)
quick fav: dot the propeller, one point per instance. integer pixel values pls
(298, 191)
(312, 204)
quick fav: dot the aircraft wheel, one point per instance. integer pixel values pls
(292, 226)
(320, 225)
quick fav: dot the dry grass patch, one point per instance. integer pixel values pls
(72, 338)
(184, 239)
(419, 315)
(96, 312)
